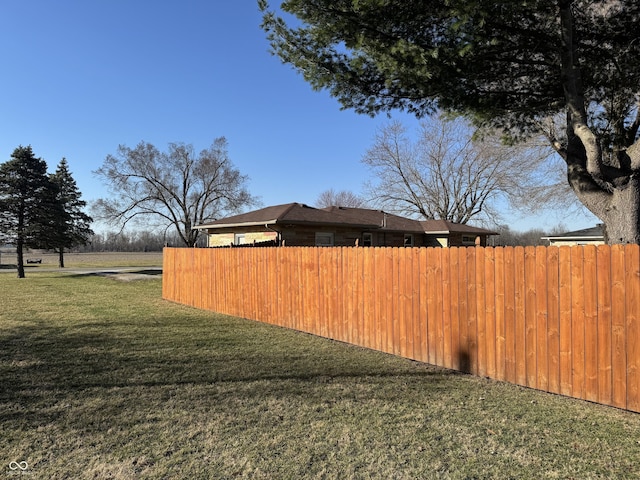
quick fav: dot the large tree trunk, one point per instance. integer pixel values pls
(618, 206)
(622, 218)
(61, 257)
(609, 189)
(20, 255)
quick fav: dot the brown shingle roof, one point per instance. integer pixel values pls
(301, 214)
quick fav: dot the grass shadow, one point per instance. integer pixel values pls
(41, 366)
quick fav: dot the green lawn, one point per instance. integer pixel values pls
(103, 379)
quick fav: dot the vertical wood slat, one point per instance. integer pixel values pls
(604, 366)
(632, 294)
(434, 308)
(510, 314)
(565, 320)
(472, 312)
(481, 313)
(500, 296)
(618, 327)
(439, 306)
(577, 322)
(520, 354)
(416, 333)
(542, 315)
(490, 307)
(453, 308)
(464, 352)
(447, 327)
(590, 323)
(566, 383)
(530, 320)
(553, 319)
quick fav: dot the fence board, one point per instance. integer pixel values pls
(380, 299)
(565, 320)
(520, 323)
(437, 278)
(490, 309)
(415, 305)
(530, 333)
(565, 304)
(456, 351)
(481, 313)
(553, 319)
(590, 324)
(430, 300)
(618, 327)
(464, 352)
(389, 303)
(472, 310)
(405, 323)
(445, 312)
(605, 389)
(500, 296)
(510, 314)
(542, 329)
(577, 323)
(632, 295)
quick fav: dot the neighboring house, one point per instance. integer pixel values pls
(588, 236)
(296, 224)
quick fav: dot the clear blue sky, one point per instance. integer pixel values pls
(81, 77)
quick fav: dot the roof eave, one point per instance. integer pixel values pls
(234, 225)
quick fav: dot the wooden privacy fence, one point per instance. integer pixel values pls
(564, 320)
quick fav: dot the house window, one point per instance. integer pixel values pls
(408, 240)
(239, 239)
(468, 240)
(324, 239)
(367, 239)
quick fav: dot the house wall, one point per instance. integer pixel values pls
(570, 243)
(346, 237)
(303, 236)
(226, 239)
(462, 240)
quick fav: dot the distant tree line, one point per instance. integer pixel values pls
(129, 241)
(515, 238)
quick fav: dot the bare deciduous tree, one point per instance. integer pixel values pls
(448, 173)
(343, 198)
(176, 189)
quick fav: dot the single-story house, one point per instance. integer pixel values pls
(587, 236)
(296, 224)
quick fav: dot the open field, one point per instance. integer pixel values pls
(71, 260)
(103, 379)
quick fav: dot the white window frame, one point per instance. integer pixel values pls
(239, 239)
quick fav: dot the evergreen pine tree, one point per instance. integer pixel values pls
(72, 225)
(26, 202)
